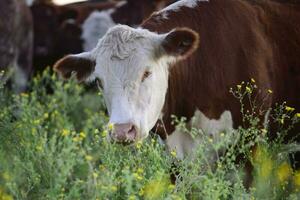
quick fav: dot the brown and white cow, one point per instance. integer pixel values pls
(186, 57)
(16, 40)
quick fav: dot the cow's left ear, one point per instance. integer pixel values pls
(81, 64)
(180, 43)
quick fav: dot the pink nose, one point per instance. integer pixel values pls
(124, 133)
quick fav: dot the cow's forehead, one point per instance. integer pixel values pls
(122, 42)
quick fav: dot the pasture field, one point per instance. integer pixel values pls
(53, 146)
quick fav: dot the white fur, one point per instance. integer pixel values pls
(29, 2)
(94, 27)
(177, 5)
(184, 144)
(122, 56)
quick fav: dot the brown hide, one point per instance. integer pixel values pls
(239, 40)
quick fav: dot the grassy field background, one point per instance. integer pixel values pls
(53, 146)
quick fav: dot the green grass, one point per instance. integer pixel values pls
(53, 146)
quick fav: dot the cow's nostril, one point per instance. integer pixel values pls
(124, 133)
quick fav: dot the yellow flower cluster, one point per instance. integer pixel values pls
(80, 137)
(156, 188)
(138, 175)
(138, 145)
(289, 109)
(283, 172)
(89, 157)
(173, 153)
(5, 196)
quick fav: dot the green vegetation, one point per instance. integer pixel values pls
(53, 146)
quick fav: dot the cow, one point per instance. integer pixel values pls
(58, 29)
(130, 12)
(185, 58)
(16, 41)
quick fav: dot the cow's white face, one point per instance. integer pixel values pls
(132, 65)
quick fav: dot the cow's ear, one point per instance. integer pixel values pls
(81, 65)
(180, 43)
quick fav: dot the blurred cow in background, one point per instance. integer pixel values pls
(130, 12)
(59, 30)
(16, 40)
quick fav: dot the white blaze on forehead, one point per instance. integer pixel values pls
(177, 5)
(122, 41)
(122, 55)
(184, 144)
(95, 27)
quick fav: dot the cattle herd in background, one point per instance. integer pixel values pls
(34, 34)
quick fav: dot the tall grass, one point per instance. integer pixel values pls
(53, 146)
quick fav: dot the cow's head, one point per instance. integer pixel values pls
(132, 65)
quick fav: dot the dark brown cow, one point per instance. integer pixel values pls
(16, 41)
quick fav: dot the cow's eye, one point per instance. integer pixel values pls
(146, 75)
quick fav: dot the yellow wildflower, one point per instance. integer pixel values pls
(173, 153)
(156, 188)
(76, 139)
(141, 192)
(137, 176)
(113, 188)
(46, 115)
(283, 172)
(36, 122)
(210, 140)
(89, 158)
(297, 115)
(23, 94)
(264, 131)
(65, 132)
(39, 148)
(288, 108)
(296, 179)
(252, 80)
(6, 176)
(95, 174)
(171, 187)
(222, 134)
(82, 135)
(239, 87)
(104, 133)
(263, 162)
(110, 126)
(96, 131)
(248, 89)
(138, 144)
(140, 170)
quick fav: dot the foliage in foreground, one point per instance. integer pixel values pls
(53, 146)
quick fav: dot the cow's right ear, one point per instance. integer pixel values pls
(81, 65)
(180, 43)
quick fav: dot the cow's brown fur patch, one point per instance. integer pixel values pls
(239, 40)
